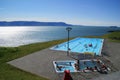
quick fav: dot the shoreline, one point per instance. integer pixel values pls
(13, 37)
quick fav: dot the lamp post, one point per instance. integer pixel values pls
(68, 29)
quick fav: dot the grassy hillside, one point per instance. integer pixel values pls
(113, 36)
(7, 72)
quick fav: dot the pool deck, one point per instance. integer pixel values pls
(41, 63)
(112, 76)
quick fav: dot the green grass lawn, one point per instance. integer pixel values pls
(8, 72)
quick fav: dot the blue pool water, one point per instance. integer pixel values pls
(88, 63)
(82, 45)
(61, 66)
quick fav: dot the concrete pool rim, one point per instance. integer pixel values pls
(100, 49)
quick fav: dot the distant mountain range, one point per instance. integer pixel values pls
(32, 23)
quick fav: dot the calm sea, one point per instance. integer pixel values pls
(16, 36)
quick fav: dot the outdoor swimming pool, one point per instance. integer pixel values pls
(82, 45)
(61, 66)
(88, 63)
(84, 65)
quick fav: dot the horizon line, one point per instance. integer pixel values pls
(58, 21)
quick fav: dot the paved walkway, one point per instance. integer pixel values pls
(112, 76)
(41, 63)
(113, 54)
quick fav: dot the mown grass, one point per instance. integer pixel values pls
(8, 72)
(113, 36)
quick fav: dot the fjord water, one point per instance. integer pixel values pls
(16, 36)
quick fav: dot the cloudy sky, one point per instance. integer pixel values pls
(82, 12)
